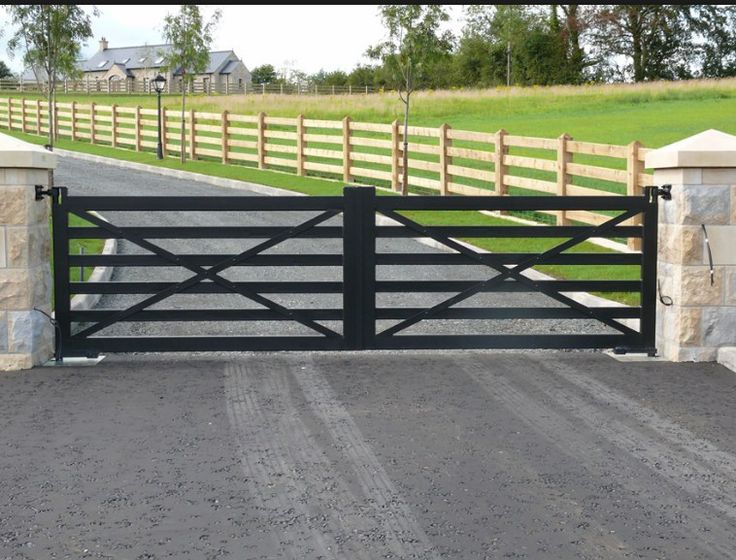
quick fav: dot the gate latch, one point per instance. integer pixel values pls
(40, 192)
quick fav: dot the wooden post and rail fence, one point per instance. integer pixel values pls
(442, 159)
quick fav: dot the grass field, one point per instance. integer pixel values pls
(655, 114)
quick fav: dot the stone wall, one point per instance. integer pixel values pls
(702, 317)
(26, 335)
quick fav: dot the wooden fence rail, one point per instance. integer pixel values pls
(442, 159)
(133, 86)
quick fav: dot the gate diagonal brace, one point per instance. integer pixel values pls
(504, 273)
(212, 273)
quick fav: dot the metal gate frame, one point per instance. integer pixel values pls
(359, 206)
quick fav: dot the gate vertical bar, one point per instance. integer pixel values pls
(62, 298)
(359, 267)
(648, 318)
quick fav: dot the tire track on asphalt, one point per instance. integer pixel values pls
(374, 480)
(262, 464)
(566, 435)
(354, 526)
(703, 450)
(679, 467)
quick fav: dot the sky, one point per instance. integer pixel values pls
(306, 38)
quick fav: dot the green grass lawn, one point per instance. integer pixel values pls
(655, 114)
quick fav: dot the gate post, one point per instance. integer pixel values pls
(697, 320)
(26, 335)
(359, 267)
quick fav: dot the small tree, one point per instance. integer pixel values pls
(51, 35)
(190, 40)
(264, 74)
(4, 70)
(413, 43)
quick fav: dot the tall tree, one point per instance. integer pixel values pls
(190, 38)
(714, 34)
(414, 42)
(51, 36)
(655, 39)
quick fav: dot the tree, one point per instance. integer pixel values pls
(264, 74)
(655, 39)
(51, 35)
(4, 70)
(413, 44)
(714, 33)
(190, 40)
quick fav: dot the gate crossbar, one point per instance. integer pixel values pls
(505, 272)
(211, 273)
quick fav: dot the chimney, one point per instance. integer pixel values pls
(103, 44)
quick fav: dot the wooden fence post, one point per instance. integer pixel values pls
(23, 114)
(192, 135)
(10, 113)
(137, 126)
(634, 168)
(74, 121)
(346, 160)
(563, 158)
(300, 145)
(92, 122)
(114, 125)
(445, 160)
(500, 169)
(395, 149)
(38, 117)
(261, 141)
(225, 146)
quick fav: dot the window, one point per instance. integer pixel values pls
(160, 60)
(101, 64)
(142, 59)
(126, 60)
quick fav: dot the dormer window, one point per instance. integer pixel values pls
(160, 60)
(142, 59)
(101, 64)
(126, 61)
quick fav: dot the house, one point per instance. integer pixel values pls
(137, 66)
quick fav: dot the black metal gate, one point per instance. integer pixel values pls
(359, 260)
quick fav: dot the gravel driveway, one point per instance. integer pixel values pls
(89, 178)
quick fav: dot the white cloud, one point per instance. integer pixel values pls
(306, 37)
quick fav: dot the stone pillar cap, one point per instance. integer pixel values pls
(16, 153)
(711, 148)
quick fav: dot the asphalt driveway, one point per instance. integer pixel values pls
(457, 455)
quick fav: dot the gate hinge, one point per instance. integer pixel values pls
(40, 192)
(665, 191)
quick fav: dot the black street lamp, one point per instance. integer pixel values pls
(158, 84)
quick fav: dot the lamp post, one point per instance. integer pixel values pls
(158, 84)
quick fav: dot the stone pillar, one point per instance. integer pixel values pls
(26, 335)
(702, 317)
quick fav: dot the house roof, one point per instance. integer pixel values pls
(146, 56)
(229, 67)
